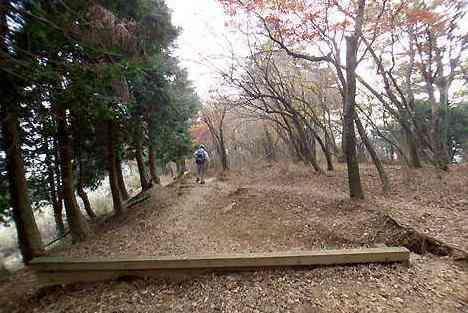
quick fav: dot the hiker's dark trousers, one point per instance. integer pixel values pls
(201, 171)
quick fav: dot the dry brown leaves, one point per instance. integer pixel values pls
(271, 208)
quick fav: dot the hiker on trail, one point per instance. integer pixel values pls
(201, 159)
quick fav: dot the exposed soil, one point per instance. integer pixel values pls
(276, 208)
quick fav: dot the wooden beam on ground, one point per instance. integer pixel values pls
(60, 270)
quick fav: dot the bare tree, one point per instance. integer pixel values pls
(213, 116)
(440, 47)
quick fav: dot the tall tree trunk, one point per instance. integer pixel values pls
(29, 238)
(328, 133)
(78, 226)
(121, 181)
(326, 151)
(79, 185)
(58, 210)
(298, 150)
(378, 164)
(54, 198)
(144, 181)
(354, 178)
(413, 152)
(152, 150)
(415, 161)
(152, 165)
(437, 111)
(310, 157)
(305, 147)
(410, 139)
(223, 152)
(269, 147)
(436, 134)
(86, 204)
(112, 169)
(289, 138)
(444, 155)
(312, 144)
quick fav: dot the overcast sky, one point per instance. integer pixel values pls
(202, 23)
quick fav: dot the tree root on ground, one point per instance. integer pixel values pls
(421, 243)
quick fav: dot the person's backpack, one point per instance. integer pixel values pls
(200, 156)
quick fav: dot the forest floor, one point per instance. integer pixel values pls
(276, 207)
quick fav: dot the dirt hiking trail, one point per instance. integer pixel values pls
(273, 208)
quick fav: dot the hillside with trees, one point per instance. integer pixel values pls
(86, 86)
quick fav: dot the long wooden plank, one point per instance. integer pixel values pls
(254, 260)
(68, 277)
(59, 270)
